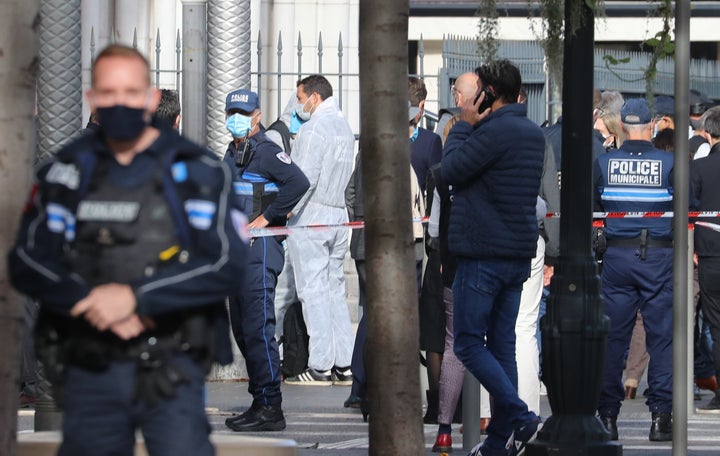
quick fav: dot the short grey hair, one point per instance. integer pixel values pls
(710, 122)
(635, 128)
(610, 101)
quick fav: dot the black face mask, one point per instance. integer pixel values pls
(121, 123)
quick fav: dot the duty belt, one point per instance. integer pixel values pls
(641, 242)
(635, 243)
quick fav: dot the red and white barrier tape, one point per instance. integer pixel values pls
(286, 230)
(607, 215)
(597, 222)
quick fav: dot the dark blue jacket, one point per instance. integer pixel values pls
(191, 177)
(272, 167)
(494, 169)
(705, 180)
(425, 152)
(553, 134)
(635, 178)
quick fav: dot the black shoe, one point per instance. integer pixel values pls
(610, 423)
(262, 418)
(253, 409)
(311, 377)
(342, 376)
(661, 428)
(352, 401)
(712, 407)
(365, 409)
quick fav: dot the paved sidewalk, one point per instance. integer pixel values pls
(321, 426)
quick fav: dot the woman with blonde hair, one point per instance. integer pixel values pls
(608, 124)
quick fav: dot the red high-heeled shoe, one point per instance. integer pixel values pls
(443, 444)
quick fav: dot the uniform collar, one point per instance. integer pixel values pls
(637, 145)
(155, 149)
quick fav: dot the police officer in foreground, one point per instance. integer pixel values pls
(637, 265)
(267, 186)
(130, 246)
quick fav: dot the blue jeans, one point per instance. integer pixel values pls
(486, 301)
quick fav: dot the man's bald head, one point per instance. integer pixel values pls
(466, 86)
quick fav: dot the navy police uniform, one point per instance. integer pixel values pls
(266, 182)
(164, 225)
(637, 267)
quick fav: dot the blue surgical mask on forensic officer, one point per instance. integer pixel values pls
(121, 123)
(295, 123)
(238, 125)
(414, 135)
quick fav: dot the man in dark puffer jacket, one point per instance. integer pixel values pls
(493, 160)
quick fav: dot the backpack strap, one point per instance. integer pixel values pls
(280, 127)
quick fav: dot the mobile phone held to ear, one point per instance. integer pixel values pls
(488, 101)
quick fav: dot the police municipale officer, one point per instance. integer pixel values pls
(267, 185)
(130, 244)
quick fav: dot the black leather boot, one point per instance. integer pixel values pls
(244, 415)
(610, 423)
(661, 429)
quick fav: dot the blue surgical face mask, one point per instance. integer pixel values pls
(239, 125)
(414, 135)
(655, 130)
(295, 123)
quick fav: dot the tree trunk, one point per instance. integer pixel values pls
(18, 64)
(392, 347)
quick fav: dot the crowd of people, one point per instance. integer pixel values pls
(135, 243)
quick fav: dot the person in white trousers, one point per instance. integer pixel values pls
(324, 151)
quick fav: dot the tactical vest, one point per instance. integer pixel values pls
(254, 192)
(637, 182)
(122, 233)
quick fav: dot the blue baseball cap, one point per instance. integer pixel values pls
(244, 100)
(636, 112)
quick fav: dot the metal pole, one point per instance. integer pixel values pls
(340, 71)
(178, 62)
(194, 55)
(228, 64)
(59, 104)
(158, 49)
(259, 63)
(548, 90)
(680, 223)
(690, 327)
(59, 79)
(575, 327)
(279, 72)
(471, 411)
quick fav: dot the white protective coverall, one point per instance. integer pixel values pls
(324, 151)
